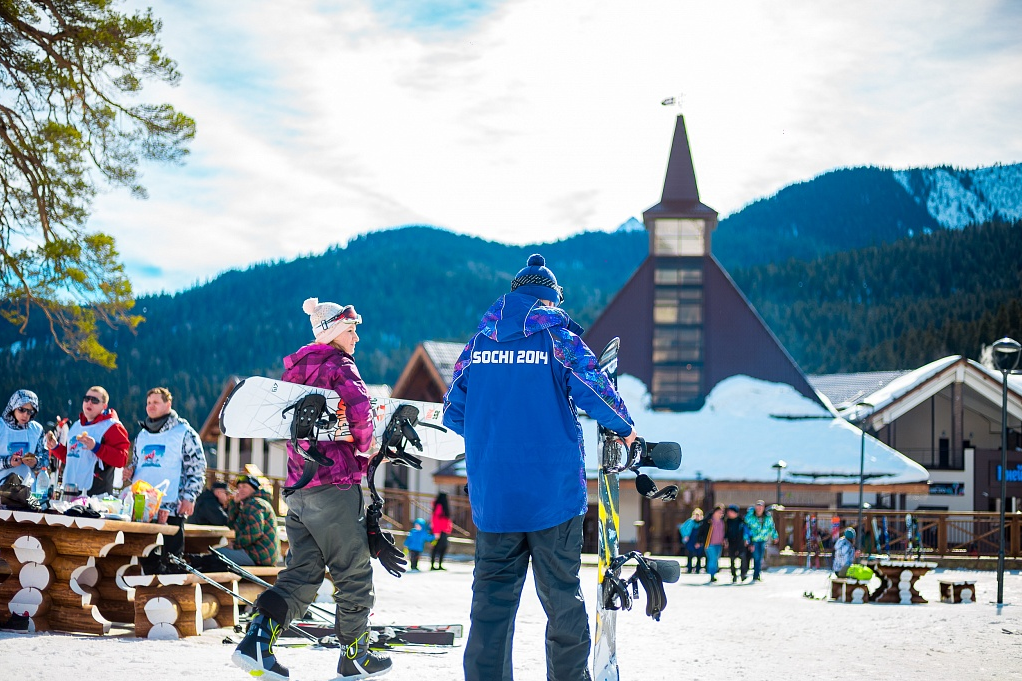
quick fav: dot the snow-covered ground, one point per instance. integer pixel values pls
(754, 631)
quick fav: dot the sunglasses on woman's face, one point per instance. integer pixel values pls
(26, 410)
(92, 399)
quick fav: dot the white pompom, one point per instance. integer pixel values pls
(310, 305)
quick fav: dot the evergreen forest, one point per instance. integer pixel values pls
(893, 305)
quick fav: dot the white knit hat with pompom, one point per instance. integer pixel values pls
(329, 319)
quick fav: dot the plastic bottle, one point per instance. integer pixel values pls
(41, 487)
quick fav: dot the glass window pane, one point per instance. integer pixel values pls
(678, 276)
(690, 313)
(665, 313)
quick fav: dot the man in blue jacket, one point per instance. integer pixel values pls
(513, 398)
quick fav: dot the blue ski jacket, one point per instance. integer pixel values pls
(513, 398)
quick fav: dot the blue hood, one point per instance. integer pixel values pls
(516, 315)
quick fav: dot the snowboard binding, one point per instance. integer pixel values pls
(310, 416)
(641, 454)
(618, 593)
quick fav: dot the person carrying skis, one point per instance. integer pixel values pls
(22, 448)
(97, 444)
(326, 524)
(761, 530)
(513, 397)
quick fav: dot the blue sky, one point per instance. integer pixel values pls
(531, 120)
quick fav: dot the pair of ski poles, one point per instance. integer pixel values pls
(177, 560)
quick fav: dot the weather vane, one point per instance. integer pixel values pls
(672, 101)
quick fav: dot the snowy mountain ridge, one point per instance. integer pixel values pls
(959, 198)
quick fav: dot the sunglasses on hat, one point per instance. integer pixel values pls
(346, 315)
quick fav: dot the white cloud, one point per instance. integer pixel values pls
(318, 121)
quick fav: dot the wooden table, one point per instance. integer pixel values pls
(198, 538)
(70, 570)
(898, 579)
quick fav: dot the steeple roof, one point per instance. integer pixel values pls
(680, 197)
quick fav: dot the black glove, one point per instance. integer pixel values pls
(381, 544)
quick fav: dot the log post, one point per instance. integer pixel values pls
(31, 549)
(78, 620)
(31, 602)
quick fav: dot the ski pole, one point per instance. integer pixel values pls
(177, 560)
(263, 583)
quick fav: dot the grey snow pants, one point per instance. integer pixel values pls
(325, 529)
(501, 564)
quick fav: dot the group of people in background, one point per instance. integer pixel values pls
(84, 455)
(726, 530)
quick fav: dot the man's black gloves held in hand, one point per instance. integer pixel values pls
(381, 544)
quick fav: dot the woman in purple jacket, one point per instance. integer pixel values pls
(325, 520)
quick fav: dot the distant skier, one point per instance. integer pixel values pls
(326, 521)
(513, 397)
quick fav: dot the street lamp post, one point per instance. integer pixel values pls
(1006, 355)
(780, 466)
(862, 471)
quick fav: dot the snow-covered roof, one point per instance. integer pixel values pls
(844, 390)
(915, 381)
(747, 425)
(444, 356)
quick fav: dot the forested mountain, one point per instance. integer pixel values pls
(873, 271)
(858, 207)
(409, 285)
(896, 306)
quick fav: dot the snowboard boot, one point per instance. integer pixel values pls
(255, 652)
(358, 662)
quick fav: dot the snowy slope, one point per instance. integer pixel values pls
(958, 198)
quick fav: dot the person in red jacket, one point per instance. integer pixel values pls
(97, 444)
(442, 526)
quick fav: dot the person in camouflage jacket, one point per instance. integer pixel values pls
(250, 514)
(759, 526)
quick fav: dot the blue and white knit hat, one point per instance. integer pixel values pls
(535, 279)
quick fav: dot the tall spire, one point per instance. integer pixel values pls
(680, 197)
(680, 182)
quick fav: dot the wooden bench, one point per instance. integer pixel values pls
(249, 589)
(174, 606)
(848, 590)
(957, 591)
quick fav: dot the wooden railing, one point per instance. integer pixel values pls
(939, 533)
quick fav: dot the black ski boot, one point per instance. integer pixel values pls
(358, 662)
(255, 652)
